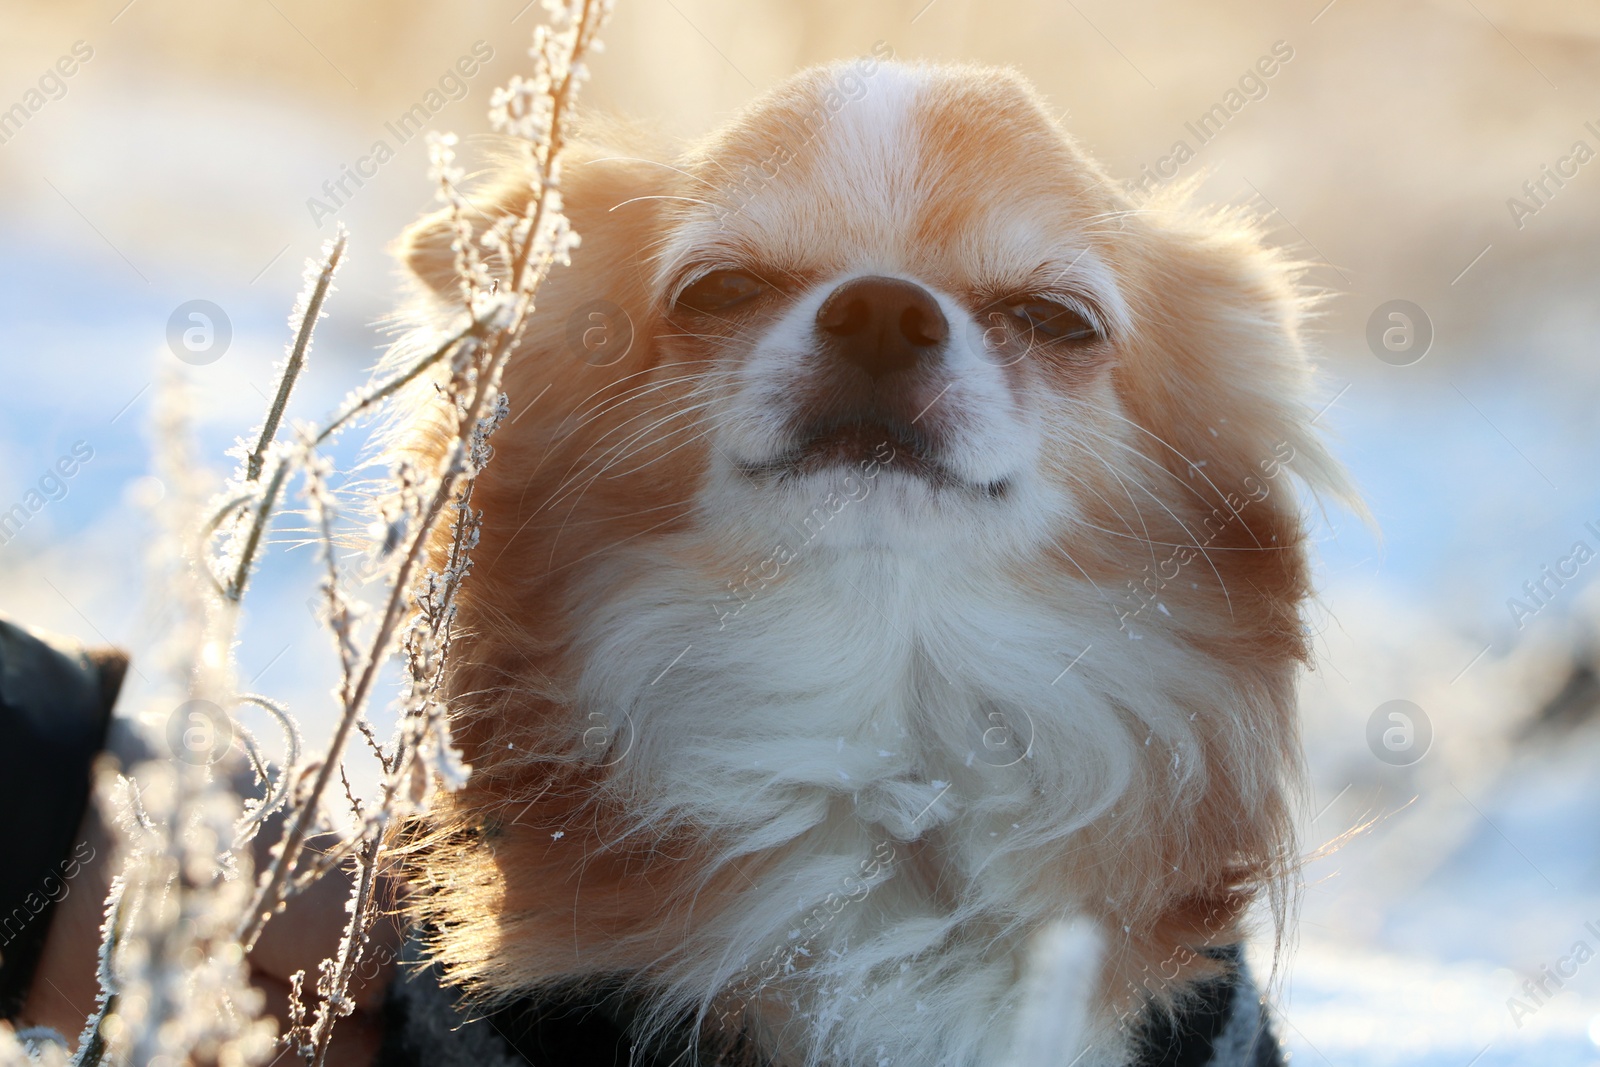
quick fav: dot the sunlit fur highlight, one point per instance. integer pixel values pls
(664, 795)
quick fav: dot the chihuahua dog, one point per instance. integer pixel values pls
(893, 568)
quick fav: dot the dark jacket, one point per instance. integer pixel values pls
(426, 1025)
(55, 705)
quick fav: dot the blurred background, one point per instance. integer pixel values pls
(1442, 153)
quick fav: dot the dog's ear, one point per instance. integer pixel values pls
(612, 199)
(594, 319)
(426, 247)
(1228, 340)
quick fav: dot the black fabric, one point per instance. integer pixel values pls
(561, 1032)
(1190, 1037)
(425, 1026)
(1186, 1040)
(573, 1028)
(55, 705)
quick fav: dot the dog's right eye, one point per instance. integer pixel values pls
(721, 290)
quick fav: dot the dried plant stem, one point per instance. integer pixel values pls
(267, 502)
(297, 355)
(351, 950)
(174, 979)
(364, 401)
(279, 791)
(264, 508)
(484, 364)
(395, 607)
(588, 26)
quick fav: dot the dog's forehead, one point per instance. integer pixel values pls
(931, 169)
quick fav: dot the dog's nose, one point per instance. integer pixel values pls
(882, 325)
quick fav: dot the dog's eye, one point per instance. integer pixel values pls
(1048, 320)
(721, 290)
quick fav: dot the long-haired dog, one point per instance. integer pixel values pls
(895, 551)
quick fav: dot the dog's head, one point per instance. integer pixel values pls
(888, 501)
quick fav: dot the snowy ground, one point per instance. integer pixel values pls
(1353, 1008)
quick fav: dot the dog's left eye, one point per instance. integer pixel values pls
(721, 290)
(1051, 321)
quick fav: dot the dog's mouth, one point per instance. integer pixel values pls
(869, 447)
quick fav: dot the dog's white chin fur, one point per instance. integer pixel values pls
(870, 700)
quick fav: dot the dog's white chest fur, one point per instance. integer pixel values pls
(861, 706)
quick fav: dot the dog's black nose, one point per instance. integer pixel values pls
(882, 324)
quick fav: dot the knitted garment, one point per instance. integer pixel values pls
(426, 1025)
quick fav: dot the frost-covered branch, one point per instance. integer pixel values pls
(187, 906)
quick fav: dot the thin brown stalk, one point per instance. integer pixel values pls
(297, 356)
(486, 363)
(241, 573)
(367, 400)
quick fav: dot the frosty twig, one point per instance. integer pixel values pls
(186, 909)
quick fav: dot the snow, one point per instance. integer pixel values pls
(1359, 1008)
